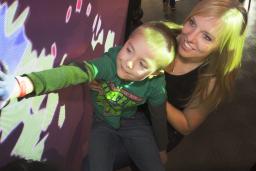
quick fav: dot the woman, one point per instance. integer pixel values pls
(209, 54)
(202, 75)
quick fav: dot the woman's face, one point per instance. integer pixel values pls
(198, 38)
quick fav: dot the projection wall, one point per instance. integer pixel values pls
(37, 35)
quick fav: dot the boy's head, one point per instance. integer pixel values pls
(149, 49)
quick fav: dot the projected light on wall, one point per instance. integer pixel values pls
(34, 115)
(17, 54)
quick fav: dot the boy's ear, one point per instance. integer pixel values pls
(156, 73)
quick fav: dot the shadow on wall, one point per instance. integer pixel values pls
(29, 165)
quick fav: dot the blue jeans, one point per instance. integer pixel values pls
(135, 135)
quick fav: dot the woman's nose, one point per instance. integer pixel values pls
(192, 35)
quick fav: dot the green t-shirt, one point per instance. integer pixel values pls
(118, 99)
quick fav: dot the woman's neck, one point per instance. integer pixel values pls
(181, 65)
(190, 60)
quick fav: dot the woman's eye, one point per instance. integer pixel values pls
(191, 22)
(208, 38)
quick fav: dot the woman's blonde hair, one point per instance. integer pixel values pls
(161, 36)
(220, 66)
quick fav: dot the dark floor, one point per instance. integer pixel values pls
(226, 141)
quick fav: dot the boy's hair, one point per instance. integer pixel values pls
(161, 37)
(224, 62)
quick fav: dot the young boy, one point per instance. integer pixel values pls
(131, 75)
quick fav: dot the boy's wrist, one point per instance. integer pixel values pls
(22, 87)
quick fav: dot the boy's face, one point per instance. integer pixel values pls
(136, 60)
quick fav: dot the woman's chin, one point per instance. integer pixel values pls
(183, 52)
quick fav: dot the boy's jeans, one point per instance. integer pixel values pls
(135, 135)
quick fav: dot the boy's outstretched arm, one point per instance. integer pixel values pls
(57, 78)
(43, 81)
(61, 77)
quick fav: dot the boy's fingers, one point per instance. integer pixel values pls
(163, 156)
(94, 85)
(3, 67)
(2, 76)
(2, 94)
(2, 84)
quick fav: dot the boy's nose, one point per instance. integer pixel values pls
(130, 64)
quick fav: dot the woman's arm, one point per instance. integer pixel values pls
(190, 118)
(187, 120)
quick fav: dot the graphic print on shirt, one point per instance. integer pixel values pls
(113, 99)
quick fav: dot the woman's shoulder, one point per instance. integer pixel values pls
(157, 81)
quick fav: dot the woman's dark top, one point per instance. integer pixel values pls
(180, 87)
(179, 91)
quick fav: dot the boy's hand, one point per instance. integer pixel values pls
(163, 156)
(96, 86)
(7, 84)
